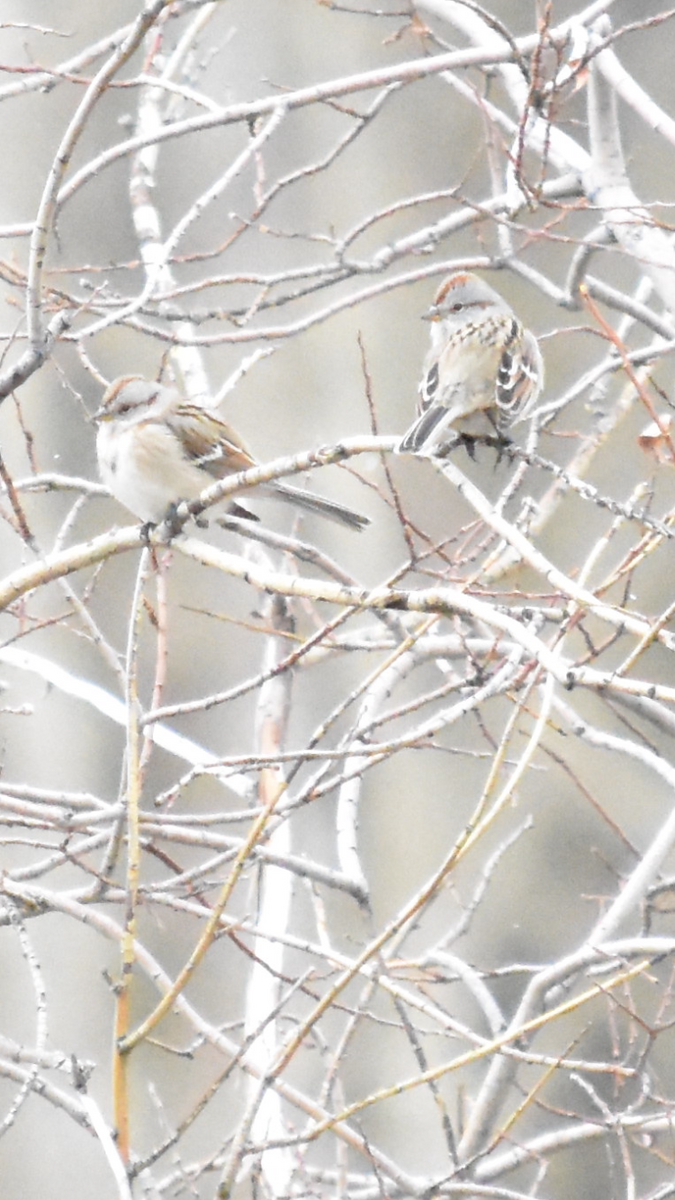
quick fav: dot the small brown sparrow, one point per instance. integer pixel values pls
(483, 372)
(155, 449)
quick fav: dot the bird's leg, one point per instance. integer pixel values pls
(467, 440)
(174, 523)
(146, 529)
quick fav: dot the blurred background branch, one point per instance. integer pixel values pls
(358, 850)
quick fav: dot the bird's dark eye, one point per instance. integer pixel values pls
(457, 307)
(124, 408)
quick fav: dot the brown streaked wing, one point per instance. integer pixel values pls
(209, 442)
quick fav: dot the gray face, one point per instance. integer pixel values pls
(135, 393)
(129, 397)
(463, 296)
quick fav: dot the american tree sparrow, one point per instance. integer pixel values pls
(155, 449)
(483, 372)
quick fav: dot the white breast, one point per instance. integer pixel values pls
(144, 468)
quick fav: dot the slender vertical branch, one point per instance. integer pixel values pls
(44, 220)
(133, 791)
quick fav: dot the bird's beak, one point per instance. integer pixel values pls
(101, 414)
(432, 315)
